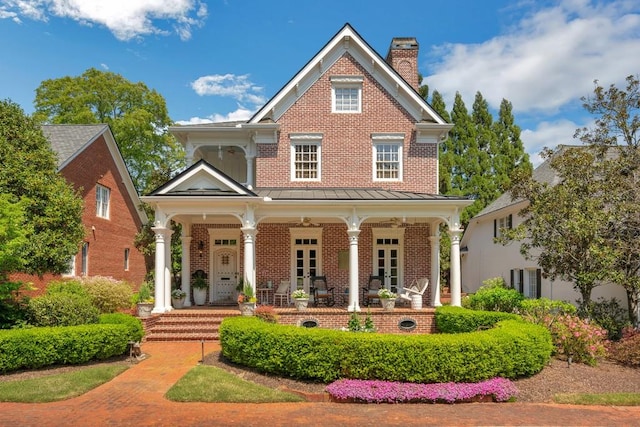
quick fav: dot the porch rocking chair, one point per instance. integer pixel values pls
(321, 291)
(370, 293)
(281, 295)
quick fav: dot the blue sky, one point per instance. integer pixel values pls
(222, 59)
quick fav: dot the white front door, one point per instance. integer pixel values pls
(306, 248)
(224, 277)
(387, 257)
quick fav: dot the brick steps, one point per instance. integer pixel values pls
(185, 325)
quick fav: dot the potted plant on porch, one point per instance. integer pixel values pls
(300, 299)
(200, 287)
(177, 297)
(387, 299)
(247, 300)
(144, 300)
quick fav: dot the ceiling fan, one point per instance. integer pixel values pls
(394, 222)
(306, 222)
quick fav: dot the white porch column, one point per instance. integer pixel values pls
(456, 296)
(250, 255)
(186, 266)
(168, 277)
(354, 304)
(435, 269)
(250, 179)
(163, 244)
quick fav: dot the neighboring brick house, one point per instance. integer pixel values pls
(89, 159)
(337, 175)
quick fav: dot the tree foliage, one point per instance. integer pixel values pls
(137, 116)
(52, 210)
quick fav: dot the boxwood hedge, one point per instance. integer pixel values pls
(38, 347)
(510, 349)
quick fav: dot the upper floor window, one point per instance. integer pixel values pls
(500, 224)
(387, 157)
(102, 201)
(346, 94)
(305, 157)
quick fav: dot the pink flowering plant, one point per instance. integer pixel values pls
(578, 339)
(374, 391)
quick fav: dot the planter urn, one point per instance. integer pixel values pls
(301, 303)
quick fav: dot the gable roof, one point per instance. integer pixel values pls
(348, 40)
(68, 141)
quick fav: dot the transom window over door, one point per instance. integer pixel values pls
(387, 157)
(306, 157)
(346, 94)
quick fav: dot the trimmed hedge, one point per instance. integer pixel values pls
(511, 349)
(38, 347)
(454, 320)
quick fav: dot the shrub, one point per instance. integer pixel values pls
(627, 350)
(494, 296)
(144, 294)
(61, 309)
(543, 310)
(70, 287)
(452, 320)
(13, 306)
(608, 314)
(266, 313)
(578, 339)
(136, 332)
(108, 294)
(355, 325)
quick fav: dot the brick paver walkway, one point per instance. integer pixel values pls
(136, 398)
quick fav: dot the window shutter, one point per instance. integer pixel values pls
(495, 228)
(521, 282)
(510, 221)
(512, 277)
(538, 283)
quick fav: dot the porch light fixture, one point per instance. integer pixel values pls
(200, 247)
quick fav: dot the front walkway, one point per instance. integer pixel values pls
(136, 398)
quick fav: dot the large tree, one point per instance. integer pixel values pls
(137, 116)
(563, 221)
(616, 137)
(51, 209)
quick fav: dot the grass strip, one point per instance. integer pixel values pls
(603, 399)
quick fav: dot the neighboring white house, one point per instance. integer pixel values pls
(483, 259)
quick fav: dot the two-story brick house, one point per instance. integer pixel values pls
(89, 159)
(336, 175)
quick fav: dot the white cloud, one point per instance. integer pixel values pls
(126, 19)
(548, 60)
(549, 134)
(230, 85)
(241, 114)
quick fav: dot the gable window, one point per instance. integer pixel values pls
(500, 224)
(102, 201)
(346, 94)
(527, 281)
(306, 152)
(387, 157)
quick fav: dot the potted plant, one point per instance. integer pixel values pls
(200, 287)
(387, 299)
(300, 299)
(177, 297)
(144, 300)
(247, 300)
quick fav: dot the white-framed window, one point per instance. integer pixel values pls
(102, 201)
(127, 252)
(527, 281)
(387, 157)
(85, 259)
(346, 94)
(500, 224)
(71, 268)
(306, 156)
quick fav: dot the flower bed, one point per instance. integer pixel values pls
(368, 391)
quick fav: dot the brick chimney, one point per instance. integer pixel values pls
(403, 57)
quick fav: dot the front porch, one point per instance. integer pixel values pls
(201, 323)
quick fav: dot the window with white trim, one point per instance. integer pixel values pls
(527, 281)
(306, 155)
(126, 259)
(85, 258)
(71, 268)
(500, 224)
(346, 94)
(387, 157)
(102, 201)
